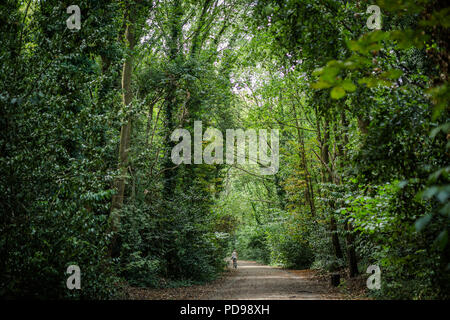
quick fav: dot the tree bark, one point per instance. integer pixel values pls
(171, 103)
(125, 131)
(328, 177)
(350, 237)
(308, 196)
(351, 254)
(362, 125)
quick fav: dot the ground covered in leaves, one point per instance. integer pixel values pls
(255, 281)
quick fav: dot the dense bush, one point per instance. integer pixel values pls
(413, 263)
(277, 243)
(289, 246)
(55, 161)
(251, 244)
(35, 260)
(156, 248)
(86, 123)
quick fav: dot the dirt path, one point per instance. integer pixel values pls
(249, 281)
(255, 281)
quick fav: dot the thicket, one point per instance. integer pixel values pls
(85, 148)
(363, 117)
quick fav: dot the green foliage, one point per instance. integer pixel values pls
(251, 244)
(411, 261)
(289, 246)
(157, 247)
(364, 144)
(369, 112)
(55, 163)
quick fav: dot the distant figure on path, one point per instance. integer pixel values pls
(234, 258)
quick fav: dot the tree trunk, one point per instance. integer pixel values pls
(350, 237)
(171, 103)
(125, 131)
(351, 254)
(308, 196)
(327, 177)
(362, 125)
(335, 238)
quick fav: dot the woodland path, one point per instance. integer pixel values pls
(259, 282)
(250, 280)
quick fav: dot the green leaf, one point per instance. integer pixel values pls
(442, 196)
(444, 128)
(445, 210)
(353, 45)
(430, 192)
(320, 85)
(422, 222)
(402, 184)
(441, 240)
(392, 74)
(348, 85)
(329, 74)
(337, 92)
